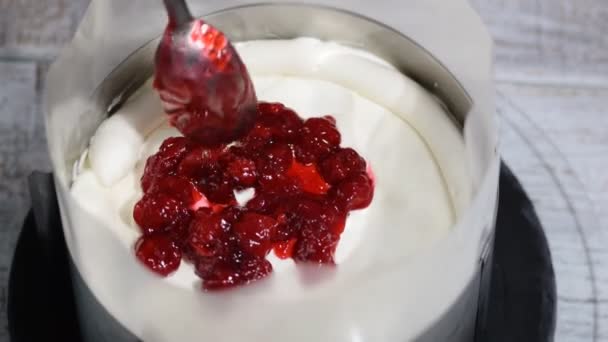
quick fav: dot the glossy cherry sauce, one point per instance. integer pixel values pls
(305, 186)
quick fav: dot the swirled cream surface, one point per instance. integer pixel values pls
(416, 153)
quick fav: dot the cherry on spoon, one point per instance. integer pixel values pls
(203, 84)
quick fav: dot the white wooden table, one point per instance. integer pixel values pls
(552, 73)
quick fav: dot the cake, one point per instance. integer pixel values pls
(421, 189)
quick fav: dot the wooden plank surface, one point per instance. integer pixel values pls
(576, 121)
(574, 229)
(33, 29)
(18, 121)
(552, 67)
(549, 41)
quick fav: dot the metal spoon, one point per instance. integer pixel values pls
(203, 84)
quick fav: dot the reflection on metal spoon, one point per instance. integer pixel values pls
(203, 84)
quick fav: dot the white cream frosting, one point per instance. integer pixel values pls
(415, 150)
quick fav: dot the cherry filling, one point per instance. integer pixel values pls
(305, 186)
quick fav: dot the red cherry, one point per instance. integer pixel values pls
(284, 123)
(206, 233)
(319, 226)
(181, 189)
(272, 166)
(254, 233)
(165, 161)
(216, 185)
(342, 164)
(242, 171)
(222, 275)
(276, 158)
(264, 203)
(316, 246)
(257, 138)
(221, 192)
(159, 212)
(284, 250)
(198, 160)
(159, 253)
(318, 138)
(255, 269)
(278, 185)
(232, 214)
(217, 275)
(294, 213)
(354, 193)
(330, 119)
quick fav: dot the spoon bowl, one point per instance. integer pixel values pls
(203, 84)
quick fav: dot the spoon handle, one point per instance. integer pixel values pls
(178, 12)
